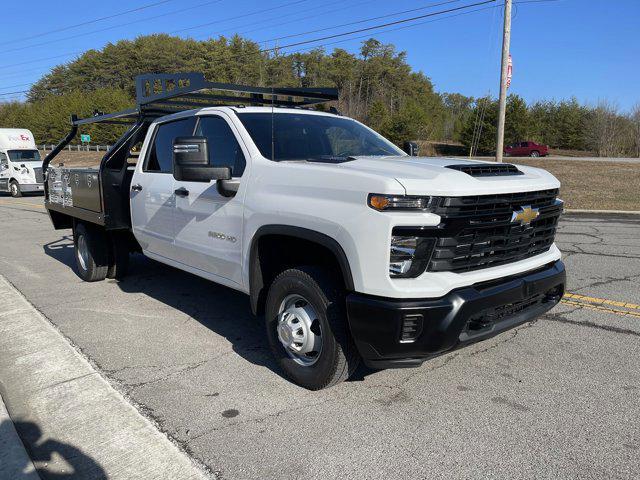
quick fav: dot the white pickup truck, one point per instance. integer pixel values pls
(20, 163)
(348, 248)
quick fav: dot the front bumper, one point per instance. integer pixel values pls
(403, 333)
(31, 187)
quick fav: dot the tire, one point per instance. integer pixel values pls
(534, 154)
(312, 290)
(14, 189)
(118, 257)
(91, 250)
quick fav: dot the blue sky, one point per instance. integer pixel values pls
(589, 49)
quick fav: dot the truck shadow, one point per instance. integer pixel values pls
(222, 310)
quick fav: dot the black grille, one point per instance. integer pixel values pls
(39, 175)
(477, 232)
(487, 170)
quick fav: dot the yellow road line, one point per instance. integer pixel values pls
(601, 301)
(24, 204)
(600, 308)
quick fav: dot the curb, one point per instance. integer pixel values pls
(68, 416)
(602, 212)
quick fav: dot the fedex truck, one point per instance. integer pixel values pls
(20, 163)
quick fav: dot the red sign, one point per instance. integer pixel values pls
(509, 71)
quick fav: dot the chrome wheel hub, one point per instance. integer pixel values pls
(83, 252)
(299, 330)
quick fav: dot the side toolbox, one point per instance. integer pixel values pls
(75, 192)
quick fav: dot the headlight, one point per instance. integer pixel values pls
(382, 202)
(409, 255)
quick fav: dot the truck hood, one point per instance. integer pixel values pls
(429, 176)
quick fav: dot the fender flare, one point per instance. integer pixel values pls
(255, 275)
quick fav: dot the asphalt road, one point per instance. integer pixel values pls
(556, 398)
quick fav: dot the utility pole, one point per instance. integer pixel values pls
(506, 40)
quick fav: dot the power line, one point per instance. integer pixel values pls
(375, 27)
(298, 19)
(360, 21)
(198, 26)
(21, 72)
(43, 59)
(390, 30)
(196, 6)
(256, 12)
(222, 20)
(14, 93)
(113, 27)
(88, 22)
(368, 29)
(17, 85)
(397, 22)
(174, 31)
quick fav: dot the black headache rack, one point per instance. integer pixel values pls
(101, 195)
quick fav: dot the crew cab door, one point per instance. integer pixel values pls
(5, 173)
(208, 225)
(153, 200)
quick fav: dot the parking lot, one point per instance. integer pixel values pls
(555, 398)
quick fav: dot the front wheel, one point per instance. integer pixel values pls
(14, 189)
(535, 154)
(307, 328)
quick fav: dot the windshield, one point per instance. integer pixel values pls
(299, 136)
(24, 155)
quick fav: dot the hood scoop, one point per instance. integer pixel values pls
(487, 170)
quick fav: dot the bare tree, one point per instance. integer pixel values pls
(606, 130)
(635, 122)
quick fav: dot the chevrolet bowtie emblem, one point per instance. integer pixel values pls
(525, 215)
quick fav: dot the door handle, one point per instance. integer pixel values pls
(181, 192)
(136, 188)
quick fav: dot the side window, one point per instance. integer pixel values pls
(160, 157)
(224, 150)
(3, 160)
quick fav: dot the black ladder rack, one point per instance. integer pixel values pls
(160, 94)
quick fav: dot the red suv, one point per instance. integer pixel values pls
(527, 149)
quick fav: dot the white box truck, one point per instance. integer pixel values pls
(20, 163)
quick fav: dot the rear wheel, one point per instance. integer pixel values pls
(535, 153)
(307, 328)
(91, 252)
(14, 189)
